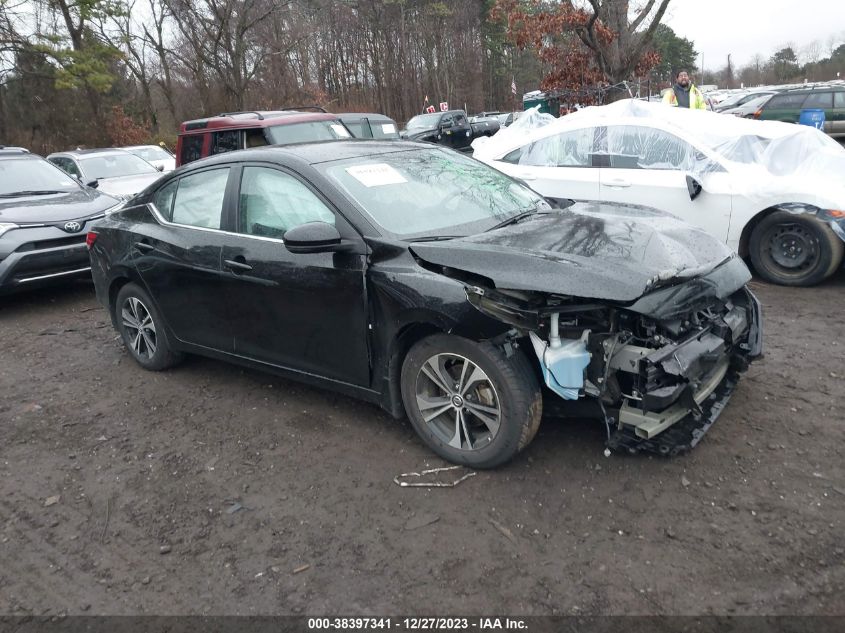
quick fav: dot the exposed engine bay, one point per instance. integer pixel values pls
(659, 370)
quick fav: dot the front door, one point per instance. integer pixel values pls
(178, 257)
(558, 166)
(649, 167)
(305, 312)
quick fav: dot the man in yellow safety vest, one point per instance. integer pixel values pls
(684, 94)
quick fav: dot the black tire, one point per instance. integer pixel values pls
(509, 386)
(148, 346)
(794, 249)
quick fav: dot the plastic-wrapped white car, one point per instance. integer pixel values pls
(774, 192)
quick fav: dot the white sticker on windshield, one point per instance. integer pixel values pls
(375, 175)
(66, 183)
(388, 128)
(340, 130)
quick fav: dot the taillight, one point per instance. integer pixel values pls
(90, 239)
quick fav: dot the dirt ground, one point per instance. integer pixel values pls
(208, 489)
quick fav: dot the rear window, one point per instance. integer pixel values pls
(191, 148)
(307, 132)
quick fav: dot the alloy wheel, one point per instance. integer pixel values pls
(139, 326)
(458, 402)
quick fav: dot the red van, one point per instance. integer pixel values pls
(238, 130)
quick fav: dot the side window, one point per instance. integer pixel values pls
(66, 165)
(255, 138)
(227, 141)
(199, 198)
(460, 119)
(569, 149)
(635, 147)
(447, 121)
(271, 202)
(785, 101)
(163, 200)
(839, 99)
(819, 100)
(191, 148)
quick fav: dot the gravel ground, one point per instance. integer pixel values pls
(209, 489)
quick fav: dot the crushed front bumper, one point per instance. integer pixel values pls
(678, 423)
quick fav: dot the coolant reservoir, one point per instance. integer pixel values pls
(563, 367)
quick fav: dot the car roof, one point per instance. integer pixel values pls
(90, 152)
(817, 88)
(316, 152)
(253, 119)
(361, 115)
(15, 152)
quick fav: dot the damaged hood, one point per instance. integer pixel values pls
(589, 250)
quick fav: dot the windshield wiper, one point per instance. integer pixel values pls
(435, 238)
(33, 192)
(514, 219)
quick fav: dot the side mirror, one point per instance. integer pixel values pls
(93, 184)
(160, 167)
(314, 237)
(559, 203)
(694, 187)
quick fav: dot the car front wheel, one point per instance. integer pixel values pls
(794, 249)
(142, 330)
(468, 401)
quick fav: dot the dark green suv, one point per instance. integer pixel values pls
(787, 107)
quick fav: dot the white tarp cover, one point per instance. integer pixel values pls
(772, 156)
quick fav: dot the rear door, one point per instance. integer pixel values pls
(837, 115)
(559, 166)
(649, 167)
(305, 312)
(823, 100)
(178, 257)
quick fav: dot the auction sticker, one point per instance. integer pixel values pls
(388, 128)
(376, 175)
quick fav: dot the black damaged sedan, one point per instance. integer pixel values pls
(422, 280)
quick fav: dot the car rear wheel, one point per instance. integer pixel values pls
(470, 403)
(794, 249)
(142, 329)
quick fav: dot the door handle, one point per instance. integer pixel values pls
(236, 266)
(618, 182)
(144, 247)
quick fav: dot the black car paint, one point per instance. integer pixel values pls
(459, 135)
(357, 312)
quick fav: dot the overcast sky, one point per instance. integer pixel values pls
(744, 28)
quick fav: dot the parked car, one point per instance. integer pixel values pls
(116, 172)
(772, 192)
(787, 107)
(420, 279)
(240, 130)
(739, 99)
(369, 125)
(44, 217)
(450, 128)
(748, 108)
(507, 118)
(155, 155)
(484, 125)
